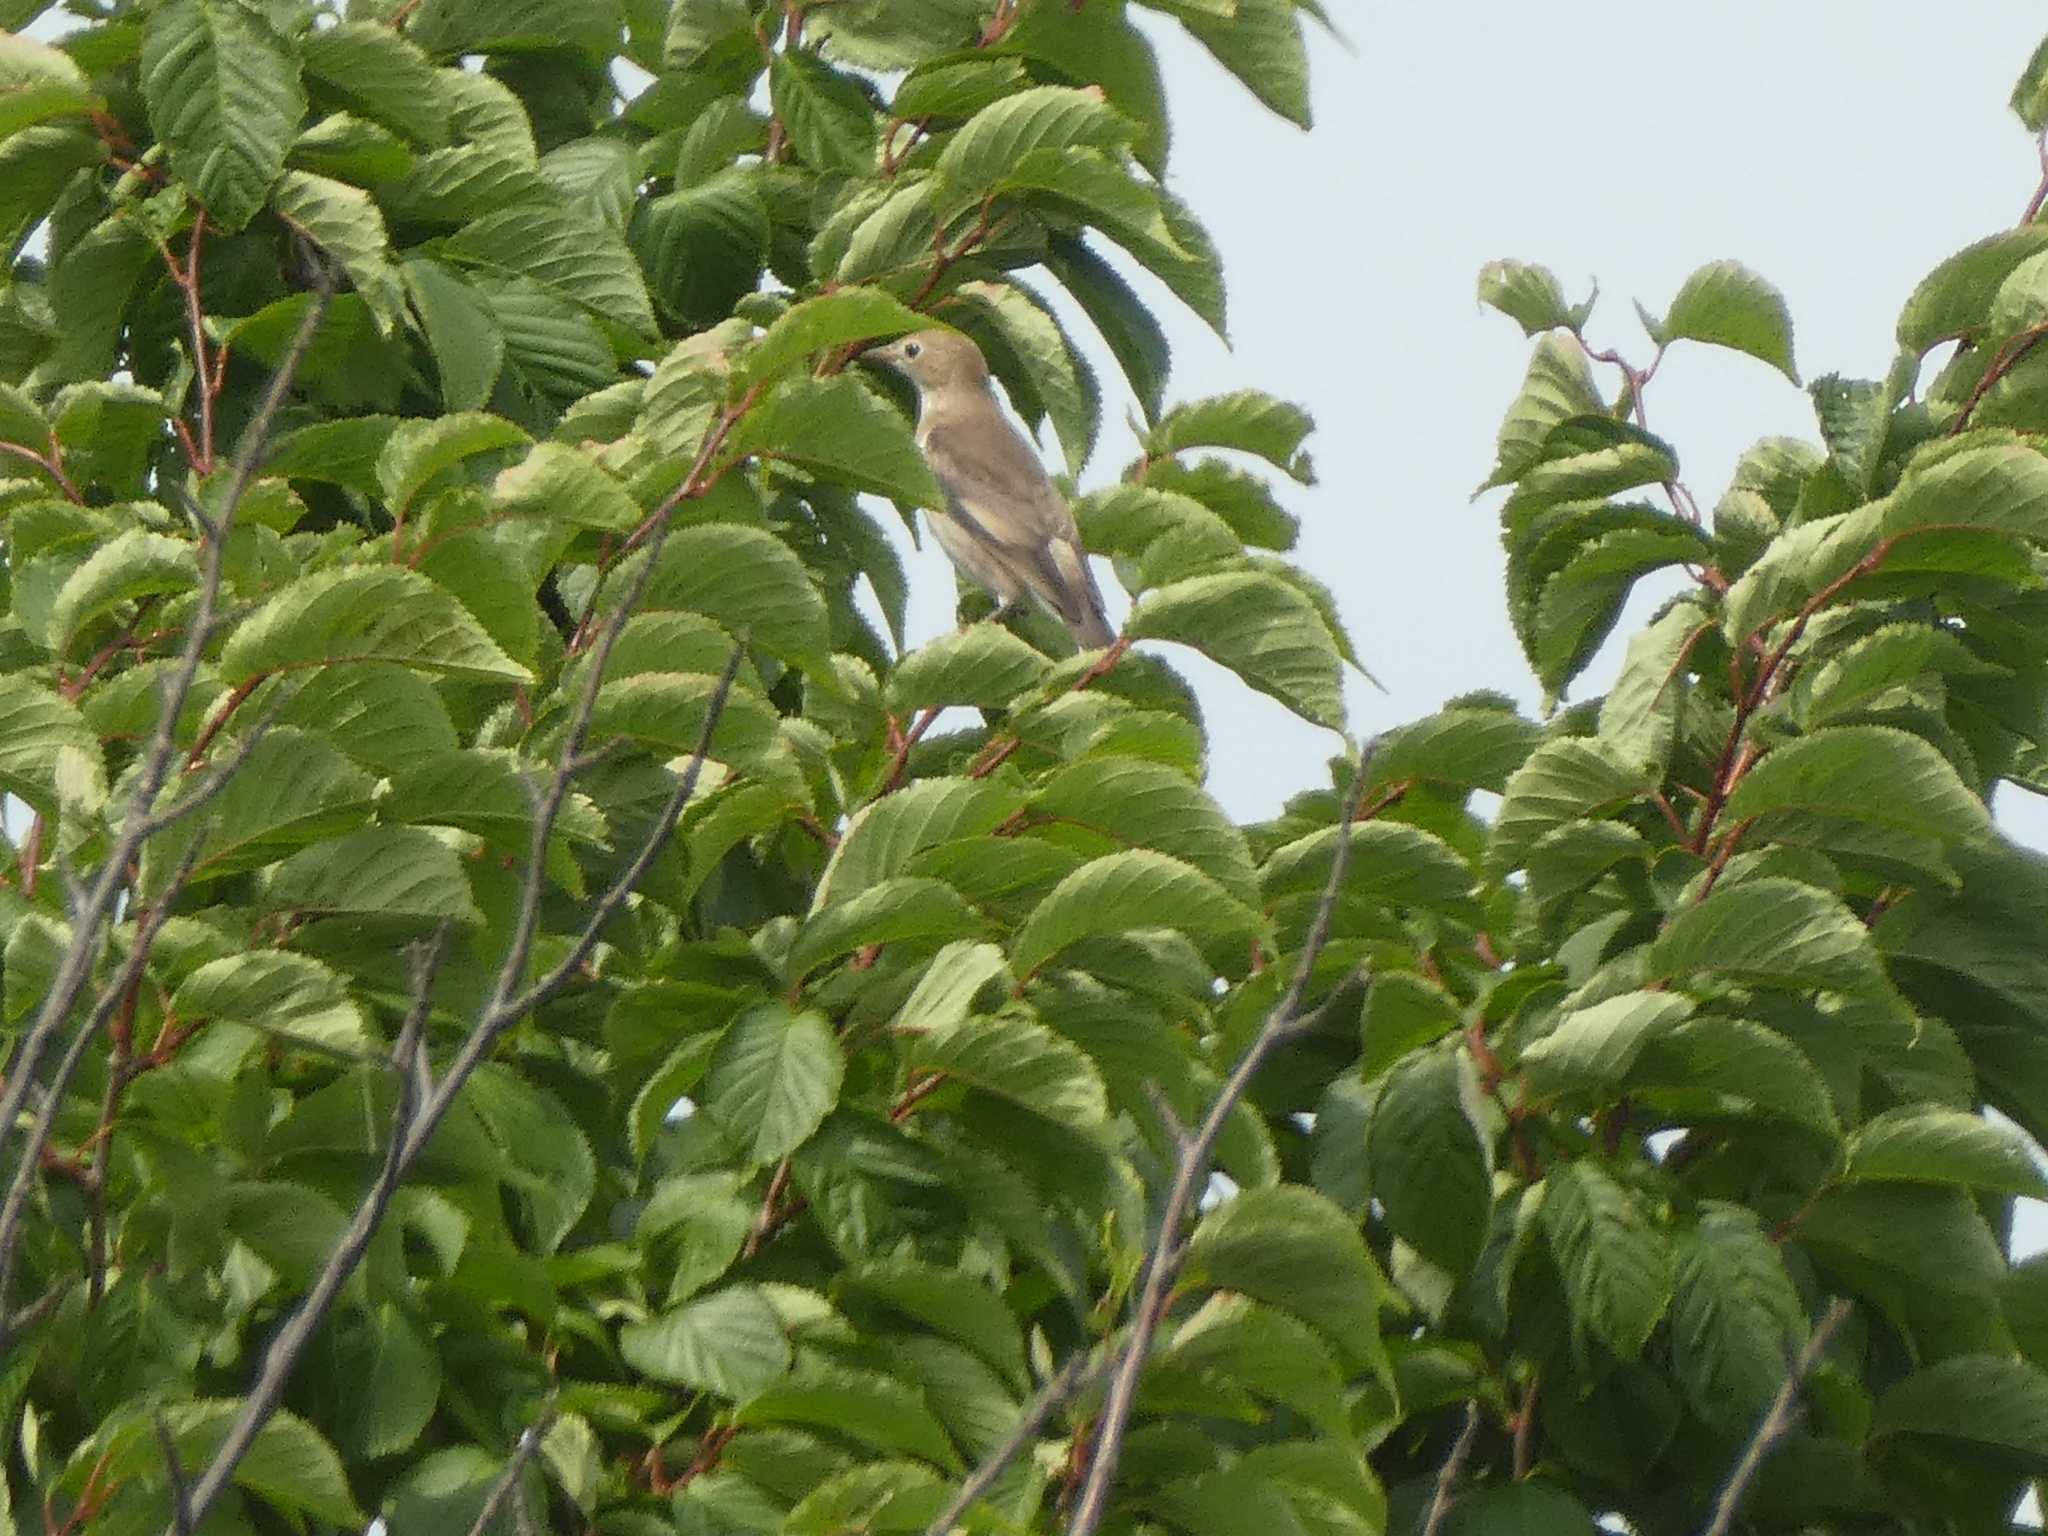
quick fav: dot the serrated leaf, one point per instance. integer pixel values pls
(773, 1079)
(365, 613)
(1261, 628)
(830, 122)
(882, 838)
(703, 245)
(1123, 320)
(1736, 1318)
(1618, 1270)
(1044, 373)
(1953, 299)
(45, 745)
(1562, 781)
(1531, 296)
(132, 565)
(1262, 45)
(1928, 1144)
(1430, 1167)
(1289, 1247)
(908, 907)
(468, 346)
(345, 222)
(996, 138)
(1988, 1403)
(555, 480)
(1712, 1066)
(1125, 891)
(1017, 1059)
(1727, 305)
(833, 319)
(224, 95)
(730, 1343)
(420, 451)
(837, 428)
(381, 74)
(983, 665)
(568, 251)
(1773, 931)
(450, 27)
(1247, 420)
(37, 83)
(292, 996)
(1558, 386)
(1594, 1046)
(402, 872)
(1868, 773)
(750, 583)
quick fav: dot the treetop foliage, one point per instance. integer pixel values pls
(528, 1003)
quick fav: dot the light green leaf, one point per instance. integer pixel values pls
(833, 319)
(1017, 1059)
(1953, 299)
(1565, 780)
(1774, 931)
(1531, 296)
(830, 122)
(906, 908)
(996, 138)
(346, 223)
(1131, 890)
(1263, 629)
(292, 996)
(1594, 1047)
(402, 872)
(944, 995)
(1988, 1403)
(884, 836)
(380, 74)
(1736, 1318)
(556, 480)
(37, 83)
(1262, 45)
(48, 754)
(1558, 386)
(223, 92)
(1103, 803)
(1727, 305)
(132, 565)
(730, 1343)
(451, 27)
(1928, 1144)
(365, 613)
(982, 665)
(750, 582)
(568, 251)
(1869, 773)
(1248, 420)
(421, 450)
(838, 429)
(468, 346)
(773, 1079)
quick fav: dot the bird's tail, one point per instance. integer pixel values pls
(1070, 591)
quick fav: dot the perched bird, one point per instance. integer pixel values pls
(1004, 522)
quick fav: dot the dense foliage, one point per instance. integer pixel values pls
(504, 943)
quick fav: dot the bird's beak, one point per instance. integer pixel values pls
(883, 354)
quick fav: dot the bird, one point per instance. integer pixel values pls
(1004, 524)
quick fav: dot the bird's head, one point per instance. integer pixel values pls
(933, 359)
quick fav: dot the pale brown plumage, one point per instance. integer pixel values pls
(1005, 524)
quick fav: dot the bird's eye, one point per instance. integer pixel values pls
(912, 348)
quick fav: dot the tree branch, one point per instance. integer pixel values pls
(138, 823)
(1070, 1379)
(1453, 1468)
(1191, 1174)
(508, 1480)
(267, 1391)
(1778, 1419)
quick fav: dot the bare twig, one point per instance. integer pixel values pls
(508, 1481)
(1192, 1173)
(174, 1470)
(1778, 1419)
(1453, 1468)
(267, 1390)
(1070, 1379)
(138, 823)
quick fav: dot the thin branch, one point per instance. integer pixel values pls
(93, 912)
(15, 1204)
(174, 1471)
(267, 1391)
(508, 1480)
(1453, 1468)
(1192, 1173)
(1778, 1419)
(1072, 1377)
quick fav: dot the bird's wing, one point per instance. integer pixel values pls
(994, 482)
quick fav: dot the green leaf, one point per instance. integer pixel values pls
(838, 429)
(1102, 803)
(1264, 629)
(695, 27)
(1290, 1248)
(982, 665)
(346, 223)
(132, 565)
(667, 711)
(875, 1410)
(1262, 45)
(1617, 1268)
(1558, 386)
(1774, 931)
(1868, 773)
(401, 872)
(380, 74)
(420, 451)
(224, 95)
(1893, 656)
(945, 993)
(877, 1496)
(945, 1301)
(998, 137)
(1019, 1060)
(730, 1343)
(1248, 420)
(1595, 1046)
(37, 83)
(1927, 1144)
(290, 1464)
(1640, 715)
(48, 754)
(835, 319)
(389, 1380)
(883, 837)
(1931, 1237)
(1126, 891)
(450, 27)
(468, 346)
(1953, 299)
(773, 1079)
(568, 251)
(556, 480)
(906, 908)
(1430, 1165)
(1736, 1319)
(365, 613)
(1563, 781)
(292, 996)
(1727, 305)
(1123, 320)
(1045, 375)
(1989, 1404)
(2030, 92)
(828, 117)
(352, 149)
(1531, 296)
(1711, 1066)
(750, 582)
(703, 245)
(1391, 863)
